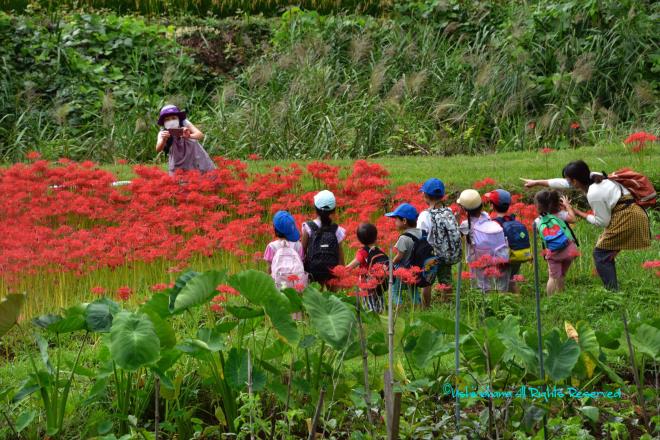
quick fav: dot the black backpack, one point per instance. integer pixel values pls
(423, 256)
(322, 253)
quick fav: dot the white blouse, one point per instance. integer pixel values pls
(601, 197)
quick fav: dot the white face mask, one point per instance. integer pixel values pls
(172, 123)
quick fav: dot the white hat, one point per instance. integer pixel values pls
(469, 199)
(325, 200)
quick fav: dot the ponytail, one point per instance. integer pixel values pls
(325, 216)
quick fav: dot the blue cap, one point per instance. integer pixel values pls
(404, 210)
(499, 197)
(286, 225)
(433, 187)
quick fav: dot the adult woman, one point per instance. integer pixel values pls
(626, 224)
(182, 147)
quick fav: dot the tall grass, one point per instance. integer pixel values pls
(424, 79)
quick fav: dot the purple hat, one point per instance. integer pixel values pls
(170, 110)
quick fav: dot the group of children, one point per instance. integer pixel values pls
(430, 243)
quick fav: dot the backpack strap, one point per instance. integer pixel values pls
(408, 234)
(577, 243)
(313, 226)
(499, 220)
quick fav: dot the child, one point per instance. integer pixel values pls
(181, 144)
(487, 249)
(368, 256)
(285, 254)
(321, 240)
(405, 218)
(515, 232)
(439, 225)
(557, 237)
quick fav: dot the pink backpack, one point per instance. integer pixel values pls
(287, 268)
(487, 238)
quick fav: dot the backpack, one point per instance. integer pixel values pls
(374, 301)
(422, 256)
(554, 232)
(444, 236)
(287, 263)
(517, 236)
(322, 253)
(487, 238)
(639, 185)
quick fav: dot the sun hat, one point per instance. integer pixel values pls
(499, 197)
(469, 199)
(433, 187)
(284, 223)
(404, 210)
(325, 200)
(170, 110)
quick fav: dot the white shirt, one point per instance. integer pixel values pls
(424, 221)
(601, 197)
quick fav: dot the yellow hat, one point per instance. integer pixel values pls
(469, 199)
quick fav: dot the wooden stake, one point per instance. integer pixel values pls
(538, 322)
(457, 354)
(365, 361)
(317, 414)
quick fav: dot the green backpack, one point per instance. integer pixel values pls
(555, 233)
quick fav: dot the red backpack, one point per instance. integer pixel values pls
(639, 185)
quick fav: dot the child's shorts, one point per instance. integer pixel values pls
(560, 261)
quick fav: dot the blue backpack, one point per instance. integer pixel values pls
(554, 232)
(517, 236)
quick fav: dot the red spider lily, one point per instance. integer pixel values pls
(217, 308)
(344, 277)
(575, 125)
(158, 287)
(443, 288)
(299, 287)
(466, 275)
(227, 290)
(408, 275)
(98, 290)
(486, 261)
(492, 272)
(483, 183)
(652, 264)
(639, 140)
(33, 155)
(531, 125)
(124, 293)
(254, 156)
(122, 161)
(293, 277)
(518, 278)
(547, 150)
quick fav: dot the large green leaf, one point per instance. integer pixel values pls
(646, 339)
(259, 288)
(163, 329)
(198, 290)
(159, 304)
(561, 357)
(431, 345)
(74, 319)
(178, 285)
(133, 341)
(99, 316)
(516, 347)
(236, 371)
(333, 319)
(10, 309)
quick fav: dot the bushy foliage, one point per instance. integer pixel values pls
(432, 77)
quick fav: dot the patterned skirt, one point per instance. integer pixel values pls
(629, 227)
